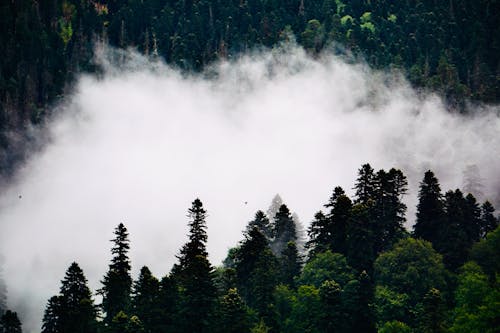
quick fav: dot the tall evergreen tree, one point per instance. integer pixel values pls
(365, 187)
(73, 310)
(290, 264)
(488, 221)
(472, 216)
(145, 300)
(117, 283)
(331, 318)
(194, 275)
(430, 210)
(389, 210)
(339, 217)
(284, 230)
(261, 221)
(319, 235)
(361, 239)
(10, 323)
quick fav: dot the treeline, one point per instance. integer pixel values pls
(447, 46)
(360, 271)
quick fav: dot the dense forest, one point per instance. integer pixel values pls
(359, 271)
(450, 47)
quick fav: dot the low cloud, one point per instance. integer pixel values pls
(137, 143)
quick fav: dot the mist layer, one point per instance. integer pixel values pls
(138, 143)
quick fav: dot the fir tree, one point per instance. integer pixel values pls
(261, 222)
(364, 186)
(290, 264)
(284, 230)
(319, 235)
(430, 211)
(339, 217)
(194, 275)
(488, 221)
(117, 283)
(73, 311)
(10, 323)
(145, 300)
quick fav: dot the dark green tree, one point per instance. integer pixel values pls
(357, 304)
(146, 302)
(361, 239)
(262, 223)
(432, 316)
(234, 314)
(10, 323)
(331, 317)
(284, 230)
(117, 283)
(365, 184)
(488, 222)
(319, 235)
(73, 310)
(194, 276)
(290, 264)
(339, 218)
(430, 210)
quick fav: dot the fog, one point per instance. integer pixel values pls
(138, 143)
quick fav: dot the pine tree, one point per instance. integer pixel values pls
(145, 300)
(364, 186)
(319, 235)
(339, 217)
(488, 221)
(284, 230)
(194, 275)
(357, 302)
(388, 211)
(472, 216)
(361, 239)
(290, 264)
(10, 323)
(261, 221)
(331, 316)
(433, 313)
(117, 283)
(73, 310)
(430, 211)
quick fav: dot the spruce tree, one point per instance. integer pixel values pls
(145, 300)
(194, 275)
(290, 264)
(261, 222)
(430, 211)
(117, 283)
(319, 235)
(472, 216)
(73, 311)
(488, 221)
(339, 217)
(10, 323)
(364, 186)
(284, 230)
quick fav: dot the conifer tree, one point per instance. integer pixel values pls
(364, 186)
(284, 230)
(472, 216)
(194, 275)
(430, 211)
(117, 283)
(331, 317)
(488, 221)
(261, 221)
(234, 315)
(10, 323)
(145, 300)
(73, 310)
(361, 239)
(339, 217)
(290, 264)
(319, 235)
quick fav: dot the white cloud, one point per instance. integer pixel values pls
(138, 144)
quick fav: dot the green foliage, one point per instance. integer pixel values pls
(478, 303)
(487, 253)
(326, 266)
(412, 267)
(392, 18)
(346, 19)
(394, 327)
(234, 317)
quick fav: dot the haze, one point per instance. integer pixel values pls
(139, 143)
